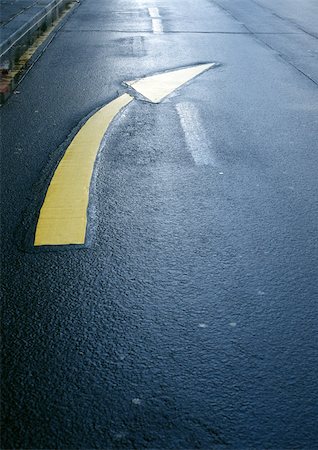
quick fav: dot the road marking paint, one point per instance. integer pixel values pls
(154, 13)
(156, 21)
(195, 134)
(157, 26)
(156, 87)
(63, 216)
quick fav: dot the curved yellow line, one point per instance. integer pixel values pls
(63, 216)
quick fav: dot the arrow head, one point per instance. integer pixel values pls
(156, 87)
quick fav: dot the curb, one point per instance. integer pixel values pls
(37, 24)
(18, 34)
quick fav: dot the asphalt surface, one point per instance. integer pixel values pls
(190, 319)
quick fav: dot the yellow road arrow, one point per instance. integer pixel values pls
(63, 216)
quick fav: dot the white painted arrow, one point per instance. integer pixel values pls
(156, 87)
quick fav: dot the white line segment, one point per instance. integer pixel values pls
(157, 27)
(195, 134)
(154, 13)
(156, 21)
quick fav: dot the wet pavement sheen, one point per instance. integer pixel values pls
(190, 319)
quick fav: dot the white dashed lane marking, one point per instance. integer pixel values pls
(156, 21)
(195, 135)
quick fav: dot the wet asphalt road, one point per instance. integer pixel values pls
(190, 320)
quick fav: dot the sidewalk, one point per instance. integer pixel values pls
(21, 23)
